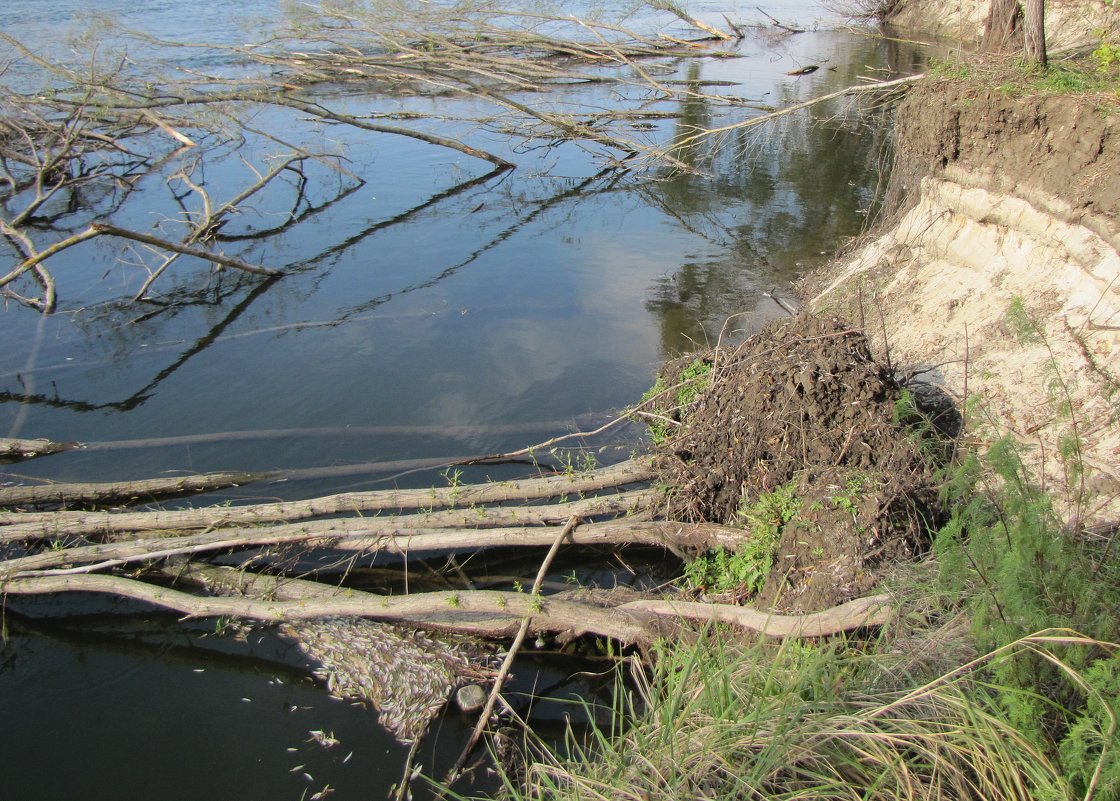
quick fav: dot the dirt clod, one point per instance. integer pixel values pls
(802, 401)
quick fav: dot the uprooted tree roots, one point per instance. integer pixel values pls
(797, 433)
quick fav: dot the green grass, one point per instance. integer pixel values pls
(1099, 74)
(723, 719)
(671, 402)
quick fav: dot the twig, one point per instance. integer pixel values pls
(879, 86)
(507, 663)
(778, 24)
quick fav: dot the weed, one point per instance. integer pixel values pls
(722, 719)
(670, 402)
(1005, 551)
(746, 569)
(454, 479)
(1021, 323)
(850, 495)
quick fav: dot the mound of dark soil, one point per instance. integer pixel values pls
(802, 402)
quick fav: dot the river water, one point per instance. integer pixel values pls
(439, 311)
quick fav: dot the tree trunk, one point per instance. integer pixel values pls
(1002, 26)
(1034, 30)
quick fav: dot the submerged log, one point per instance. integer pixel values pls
(15, 449)
(123, 491)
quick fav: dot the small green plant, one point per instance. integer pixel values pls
(1020, 322)
(1106, 57)
(849, 496)
(747, 568)
(454, 479)
(950, 69)
(694, 381)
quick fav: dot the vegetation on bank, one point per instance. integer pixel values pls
(1096, 74)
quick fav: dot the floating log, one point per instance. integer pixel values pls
(124, 491)
(15, 449)
(40, 524)
(358, 535)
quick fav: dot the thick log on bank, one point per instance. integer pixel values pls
(123, 491)
(486, 613)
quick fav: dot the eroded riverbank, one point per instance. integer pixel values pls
(1000, 277)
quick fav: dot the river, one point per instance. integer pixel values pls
(440, 311)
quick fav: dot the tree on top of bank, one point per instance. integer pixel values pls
(1007, 20)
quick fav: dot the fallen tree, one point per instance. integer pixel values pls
(48, 552)
(485, 613)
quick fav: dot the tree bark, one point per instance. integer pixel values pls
(122, 491)
(365, 537)
(27, 525)
(1034, 32)
(483, 612)
(117, 526)
(1002, 26)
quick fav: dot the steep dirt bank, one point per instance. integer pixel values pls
(1001, 272)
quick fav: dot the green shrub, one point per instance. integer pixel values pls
(1005, 551)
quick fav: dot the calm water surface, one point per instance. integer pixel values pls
(438, 311)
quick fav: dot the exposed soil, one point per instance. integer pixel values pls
(1000, 276)
(1065, 147)
(803, 401)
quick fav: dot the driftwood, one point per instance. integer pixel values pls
(400, 522)
(486, 613)
(32, 524)
(126, 526)
(364, 539)
(123, 491)
(30, 448)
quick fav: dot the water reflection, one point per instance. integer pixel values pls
(441, 307)
(774, 200)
